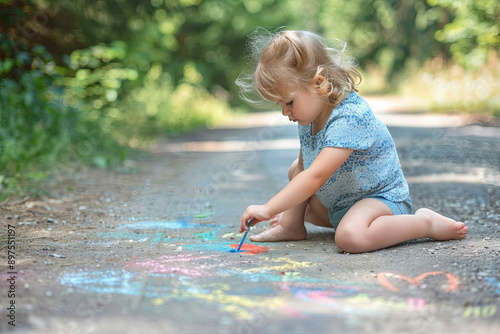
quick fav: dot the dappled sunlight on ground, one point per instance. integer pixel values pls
(485, 176)
(228, 146)
(392, 111)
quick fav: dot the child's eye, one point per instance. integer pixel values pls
(289, 103)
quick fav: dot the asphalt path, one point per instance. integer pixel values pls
(150, 251)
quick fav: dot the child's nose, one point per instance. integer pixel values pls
(285, 110)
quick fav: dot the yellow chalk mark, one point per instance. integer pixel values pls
(238, 305)
(364, 301)
(285, 264)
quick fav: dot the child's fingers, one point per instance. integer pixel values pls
(253, 214)
(245, 218)
(244, 226)
(245, 223)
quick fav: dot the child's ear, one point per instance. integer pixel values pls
(321, 85)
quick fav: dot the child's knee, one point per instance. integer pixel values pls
(292, 171)
(349, 240)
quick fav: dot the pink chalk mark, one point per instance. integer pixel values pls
(294, 312)
(172, 259)
(323, 297)
(181, 258)
(154, 267)
(162, 265)
(415, 305)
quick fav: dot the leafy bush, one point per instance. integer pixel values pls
(132, 107)
(473, 33)
(38, 129)
(81, 80)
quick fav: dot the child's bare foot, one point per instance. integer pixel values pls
(443, 228)
(279, 233)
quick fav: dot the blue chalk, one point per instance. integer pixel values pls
(249, 225)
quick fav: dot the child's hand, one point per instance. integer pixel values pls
(258, 212)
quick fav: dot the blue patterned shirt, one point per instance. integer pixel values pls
(372, 170)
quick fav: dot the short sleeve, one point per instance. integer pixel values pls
(353, 131)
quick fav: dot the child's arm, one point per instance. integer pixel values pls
(301, 187)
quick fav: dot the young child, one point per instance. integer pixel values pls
(348, 175)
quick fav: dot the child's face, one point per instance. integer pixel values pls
(304, 106)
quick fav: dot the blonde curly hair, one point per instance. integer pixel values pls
(284, 62)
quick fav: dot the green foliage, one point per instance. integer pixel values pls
(78, 77)
(474, 32)
(101, 82)
(37, 129)
(390, 34)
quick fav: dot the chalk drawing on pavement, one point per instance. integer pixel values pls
(388, 279)
(179, 265)
(162, 225)
(250, 249)
(495, 283)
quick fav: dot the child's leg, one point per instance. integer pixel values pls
(370, 225)
(315, 213)
(289, 225)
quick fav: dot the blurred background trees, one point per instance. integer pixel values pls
(82, 80)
